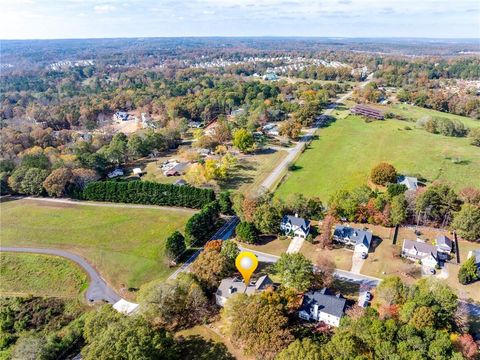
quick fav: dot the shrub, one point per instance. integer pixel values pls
(396, 189)
(247, 232)
(149, 193)
(175, 245)
(468, 272)
(383, 174)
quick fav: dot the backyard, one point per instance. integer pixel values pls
(346, 151)
(125, 244)
(40, 275)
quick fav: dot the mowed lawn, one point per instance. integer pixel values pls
(40, 275)
(346, 151)
(126, 245)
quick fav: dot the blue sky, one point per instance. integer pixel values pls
(37, 19)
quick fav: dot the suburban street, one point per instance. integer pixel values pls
(98, 289)
(364, 280)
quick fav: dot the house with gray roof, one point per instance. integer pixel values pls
(321, 306)
(231, 286)
(296, 226)
(409, 181)
(358, 238)
(444, 244)
(420, 251)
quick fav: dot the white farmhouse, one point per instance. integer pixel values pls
(420, 251)
(296, 226)
(319, 306)
(358, 238)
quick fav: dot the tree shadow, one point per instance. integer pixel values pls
(265, 151)
(195, 347)
(294, 167)
(376, 241)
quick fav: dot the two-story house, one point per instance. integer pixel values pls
(295, 226)
(420, 251)
(320, 306)
(358, 238)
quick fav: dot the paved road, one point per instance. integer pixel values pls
(364, 280)
(222, 234)
(277, 173)
(104, 204)
(98, 289)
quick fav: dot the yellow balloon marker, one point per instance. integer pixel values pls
(246, 262)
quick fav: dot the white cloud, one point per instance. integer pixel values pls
(104, 9)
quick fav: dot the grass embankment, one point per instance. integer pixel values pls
(40, 275)
(125, 244)
(346, 151)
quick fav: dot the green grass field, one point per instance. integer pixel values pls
(40, 275)
(126, 245)
(414, 113)
(345, 152)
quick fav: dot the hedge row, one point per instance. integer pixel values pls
(202, 225)
(149, 193)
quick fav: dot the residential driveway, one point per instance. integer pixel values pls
(295, 245)
(357, 262)
(444, 273)
(98, 290)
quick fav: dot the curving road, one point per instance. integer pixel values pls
(98, 289)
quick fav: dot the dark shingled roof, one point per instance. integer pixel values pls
(297, 221)
(358, 235)
(329, 304)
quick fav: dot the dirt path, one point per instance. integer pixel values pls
(104, 204)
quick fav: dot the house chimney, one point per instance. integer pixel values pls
(315, 311)
(231, 290)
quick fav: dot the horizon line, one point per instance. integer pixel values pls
(251, 36)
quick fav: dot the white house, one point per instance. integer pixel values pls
(271, 129)
(231, 286)
(444, 244)
(120, 116)
(358, 238)
(420, 251)
(410, 182)
(296, 226)
(319, 306)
